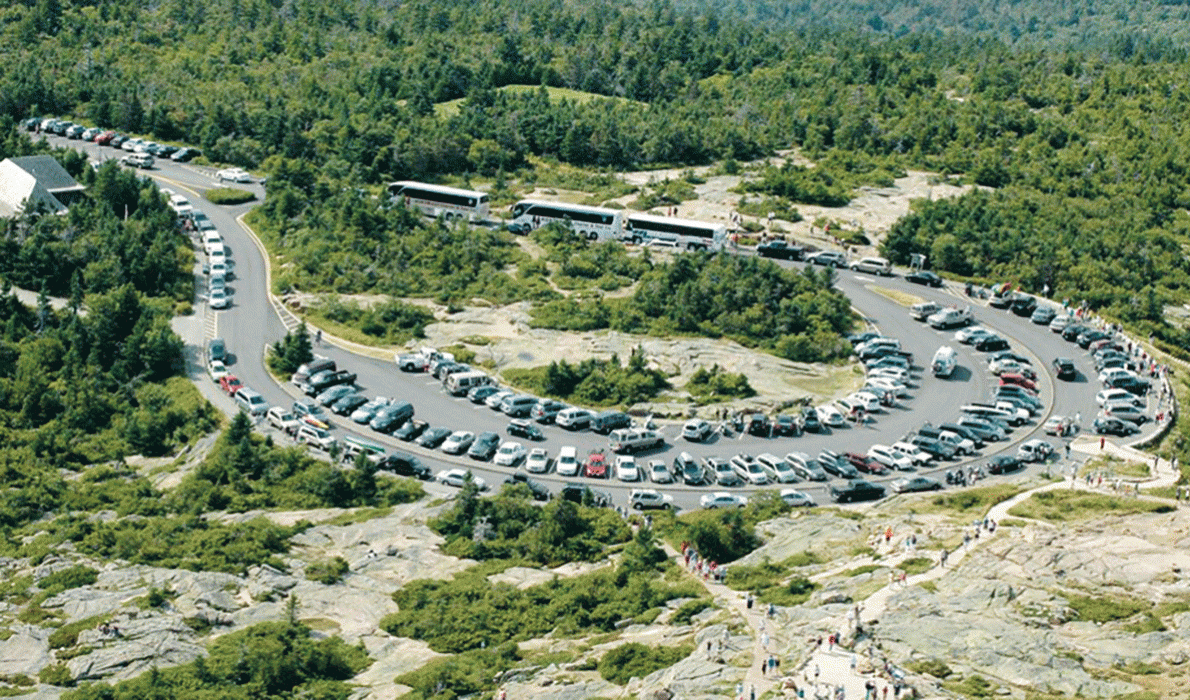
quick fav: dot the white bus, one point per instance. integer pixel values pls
(592, 223)
(438, 200)
(682, 233)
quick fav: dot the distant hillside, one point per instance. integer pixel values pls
(1125, 29)
(556, 94)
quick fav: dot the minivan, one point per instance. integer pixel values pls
(607, 421)
(251, 401)
(460, 383)
(873, 266)
(311, 368)
(574, 418)
(518, 405)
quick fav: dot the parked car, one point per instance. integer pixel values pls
(282, 420)
(659, 472)
(626, 468)
(574, 418)
(1002, 464)
(721, 472)
(537, 461)
(230, 384)
(781, 250)
(797, 499)
(536, 488)
(481, 393)
(251, 401)
(1114, 426)
(567, 464)
(546, 410)
(1043, 315)
(1034, 450)
(433, 437)
(925, 277)
(458, 478)
(811, 422)
(458, 442)
(650, 499)
(916, 483)
(722, 499)
(991, 342)
(856, 490)
(864, 463)
(404, 465)
(585, 495)
(311, 413)
(524, 429)
(484, 447)
(786, 426)
(366, 412)
(697, 430)
(347, 404)
(391, 417)
(595, 466)
(233, 175)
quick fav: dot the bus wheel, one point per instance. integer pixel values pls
(592, 236)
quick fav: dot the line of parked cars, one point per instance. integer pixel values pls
(114, 139)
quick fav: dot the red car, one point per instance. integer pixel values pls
(596, 466)
(105, 138)
(231, 384)
(1019, 380)
(865, 463)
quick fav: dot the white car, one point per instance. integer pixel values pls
(1113, 373)
(510, 454)
(1060, 322)
(233, 175)
(458, 442)
(217, 369)
(970, 334)
(750, 470)
(891, 457)
(538, 461)
(889, 384)
(830, 416)
(1119, 396)
(696, 430)
(659, 473)
(567, 461)
(493, 402)
(722, 499)
(626, 469)
(870, 403)
(797, 499)
(217, 299)
(913, 452)
(1007, 365)
(896, 374)
(458, 477)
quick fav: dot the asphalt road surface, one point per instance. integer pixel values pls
(250, 324)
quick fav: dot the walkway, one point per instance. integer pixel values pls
(829, 668)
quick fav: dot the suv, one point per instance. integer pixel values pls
(405, 465)
(585, 495)
(314, 436)
(139, 160)
(607, 421)
(640, 499)
(547, 410)
(539, 491)
(697, 430)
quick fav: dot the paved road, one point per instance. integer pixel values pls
(251, 323)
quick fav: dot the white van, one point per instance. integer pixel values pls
(924, 310)
(460, 383)
(873, 266)
(567, 461)
(945, 361)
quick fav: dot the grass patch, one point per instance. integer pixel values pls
(916, 565)
(322, 624)
(1105, 609)
(930, 586)
(328, 571)
(229, 196)
(1116, 467)
(861, 570)
(973, 686)
(450, 108)
(1011, 522)
(67, 636)
(689, 609)
(358, 515)
(476, 340)
(767, 581)
(1061, 505)
(903, 298)
(634, 660)
(967, 502)
(933, 667)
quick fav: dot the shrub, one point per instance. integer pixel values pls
(56, 674)
(916, 565)
(688, 610)
(67, 635)
(74, 577)
(1105, 609)
(229, 195)
(934, 667)
(328, 571)
(717, 385)
(635, 660)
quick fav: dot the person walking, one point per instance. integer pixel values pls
(318, 337)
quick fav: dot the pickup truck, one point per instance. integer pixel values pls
(283, 419)
(420, 361)
(950, 318)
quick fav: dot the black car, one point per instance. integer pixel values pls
(780, 249)
(1072, 332)
(1129, 383)
(184, 155)
(389, 418)
(349, 403)
(934, 448)
(1002, 464)
(856, 490)
(990, 343)
(585, 495)
(758, 424)
(481, 393)
(325, 379)
(786, 426)
(434, 437)
(411, 430)
(857, 338)
(1064, 368)
(405, 465)
(1091, 336)
(1023, 305)
(485, 446)
(925, 277)
(810, 420)
(837, 466)
(525, 429)
(1115, 426)
(540, 492)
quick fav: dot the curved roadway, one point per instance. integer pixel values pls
(250, 324)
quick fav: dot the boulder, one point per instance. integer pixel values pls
(139, 644)
(27, 651)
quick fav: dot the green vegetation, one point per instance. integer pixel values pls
(723, 535)
(517, 529)
(972, 686)
(583, 264)
(65, 579)
(798, 316)
(1105, 608)
(290, 353)
(684, 614)
(328, 571)
(229, 196)
(1061, 505)
(387, 323)
(714, 384)
(634, 660)
(469, 612)
(593, 382)
(974, 501)
(67, 635)
(916, 565)
(269, 660)
(934, 667)
(459, 675)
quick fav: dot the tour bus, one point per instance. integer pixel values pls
(438, 200)
(682, 233)
(592, 223)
